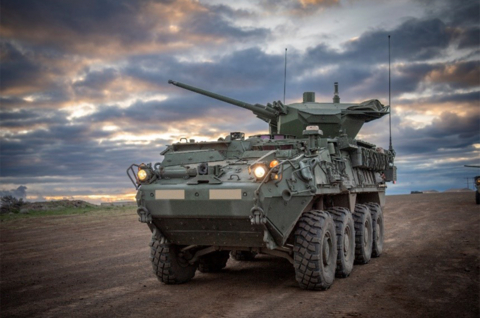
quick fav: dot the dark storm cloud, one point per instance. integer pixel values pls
(469, 100)
(54, 148)
(461, 13)
(94, 83)
(413, 40)
(211, 24)
(59, 151)
(462, 16)
(153, 112)
(448, 131)
(472, 97)
(460, 74)
(74, 149)
(246, 72)
(89, 27)
(19, 193)
(470, 38)
(357, 66)
(230, 13)
(71, 20)
(251, 71)
(97, 79)
(16, 68)
(466, 15)
(414, 43)
(28, 72)
(27, 118)
(449, 124)
(300, 7)
(447, 76)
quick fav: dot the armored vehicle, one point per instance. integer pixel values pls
(307, 191)
(477, 184)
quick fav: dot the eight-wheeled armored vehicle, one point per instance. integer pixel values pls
(307, 191)
(477, 184)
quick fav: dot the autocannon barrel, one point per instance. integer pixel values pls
(257, 109)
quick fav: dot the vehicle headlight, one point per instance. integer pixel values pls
(274, 163)
(259, 171)
(142, 175)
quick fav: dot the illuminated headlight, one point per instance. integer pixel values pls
(274, 163)
(260, 171)
(142, 175)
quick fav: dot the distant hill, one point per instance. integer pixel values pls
(54, 205)
(436, 191)
(459, 190)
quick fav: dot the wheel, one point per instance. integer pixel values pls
(477, 197)
(345, 229)
(378, 230)
(363, 234)
(213, 262)
(242, 255)
(169, 265)
(315, 251)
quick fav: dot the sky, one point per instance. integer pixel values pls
(84, 87)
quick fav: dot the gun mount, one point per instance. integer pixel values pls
(332, 118)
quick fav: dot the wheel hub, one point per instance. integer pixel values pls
(346, 244)
(365, 237)
(326, 251)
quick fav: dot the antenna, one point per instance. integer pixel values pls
(389, 97)
(285, 77)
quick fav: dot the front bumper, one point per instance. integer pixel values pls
(202, 214)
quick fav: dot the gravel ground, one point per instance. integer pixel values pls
(97, 265)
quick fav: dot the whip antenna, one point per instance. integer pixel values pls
(285, 77)
(389, 98)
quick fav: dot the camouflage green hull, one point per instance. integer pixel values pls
(313, 197)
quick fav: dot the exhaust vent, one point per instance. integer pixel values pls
(309, 97)
(336, 98)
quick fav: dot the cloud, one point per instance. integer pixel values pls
(469, 38)
(19, 193)
(112, 29)
(299, 8)
(19, 72)
(458, 74)
(306, 3)
(97, 21)
(414, 40)
(85, 93)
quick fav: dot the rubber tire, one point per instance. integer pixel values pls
(243, 255)
(363, 234)
(213, 262)
(345, 227)
(314, 237)
(477, 197)
(168, 265)
(378, 229)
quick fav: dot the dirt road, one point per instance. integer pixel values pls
(95, 265)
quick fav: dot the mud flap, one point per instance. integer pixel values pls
(144, 215)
